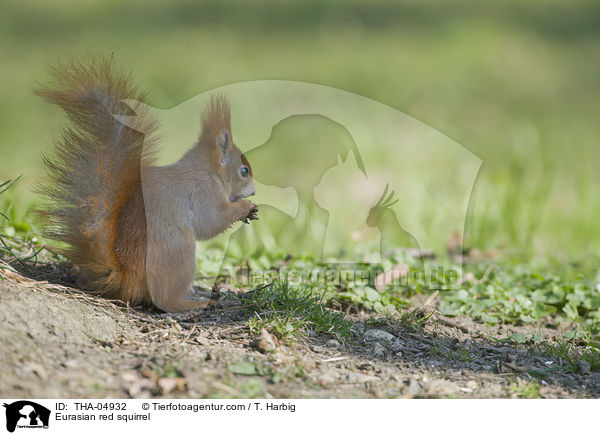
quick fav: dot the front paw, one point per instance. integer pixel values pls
(251, 215)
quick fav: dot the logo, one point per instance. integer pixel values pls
(26, 414)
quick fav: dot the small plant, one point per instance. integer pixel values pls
(169, 370)
(8, 226)
(571, 354)
(3, 188)
(526, 390)
(8, 184)
(289, 311)
(464, 353)
(415, 319)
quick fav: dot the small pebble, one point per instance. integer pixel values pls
(414, 388)
(378, 350)
(167, 385)
(385, 338)
(584, 367)
(265, 342)
(333, 343)
(472, 385)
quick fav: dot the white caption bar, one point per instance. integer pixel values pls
(163, 416)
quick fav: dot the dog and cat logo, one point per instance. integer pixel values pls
(25, 414)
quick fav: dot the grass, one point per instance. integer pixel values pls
(496, 293)
(6, 203)
(571, 354)
(570, 351)
(289, 312)
(464, 353)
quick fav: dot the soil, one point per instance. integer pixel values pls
(59, 342)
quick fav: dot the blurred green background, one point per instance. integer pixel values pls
(515, 81)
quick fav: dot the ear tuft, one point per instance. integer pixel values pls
(216, 118)
(224, 140)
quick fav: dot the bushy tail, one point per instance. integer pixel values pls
(96, 164)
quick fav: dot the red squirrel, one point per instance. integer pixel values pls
(129, 225)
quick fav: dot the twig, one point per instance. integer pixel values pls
(487, 273)
(339, 358)
(422, 339)
(453, 325)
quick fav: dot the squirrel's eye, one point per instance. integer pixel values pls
(244, 172)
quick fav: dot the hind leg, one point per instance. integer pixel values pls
(170, 272)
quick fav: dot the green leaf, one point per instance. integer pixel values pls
(518, 337)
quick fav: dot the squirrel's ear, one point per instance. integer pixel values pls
(224, 141)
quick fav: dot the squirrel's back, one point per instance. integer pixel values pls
(93, 177)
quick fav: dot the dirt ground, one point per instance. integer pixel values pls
(59, 343)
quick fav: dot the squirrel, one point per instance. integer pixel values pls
(128, 224)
